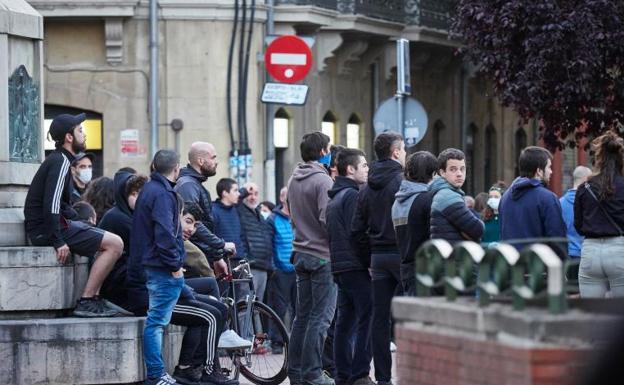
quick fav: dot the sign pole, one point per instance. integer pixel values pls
(403, 82)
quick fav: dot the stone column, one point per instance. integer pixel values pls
(21, 112)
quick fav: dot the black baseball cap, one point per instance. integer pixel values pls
(82, 155)
(64, 124)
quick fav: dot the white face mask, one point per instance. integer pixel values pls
(493, 203)
(265, 215)
(85, 175)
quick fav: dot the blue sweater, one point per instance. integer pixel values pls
(282, 240)
(567, 208)
(529, 210)
(227, 225)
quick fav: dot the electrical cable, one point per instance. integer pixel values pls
(245, 138)
(228, 99)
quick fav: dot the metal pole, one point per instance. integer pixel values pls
(153, 17)
(269, 164)
(403, 82)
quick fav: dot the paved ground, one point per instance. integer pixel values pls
(269, 362)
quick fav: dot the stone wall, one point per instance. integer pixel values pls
(442, 343)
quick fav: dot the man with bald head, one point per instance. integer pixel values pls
(256, 234)
(579, 176)
(202, 164)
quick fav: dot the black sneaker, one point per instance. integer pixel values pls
(188, 376)
(91, 308)
(217, 378)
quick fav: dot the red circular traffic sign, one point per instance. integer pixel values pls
(288, 59)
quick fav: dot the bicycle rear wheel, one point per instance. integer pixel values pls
(266, 368)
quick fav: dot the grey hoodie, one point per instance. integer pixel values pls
(307, 200)
(403, 200)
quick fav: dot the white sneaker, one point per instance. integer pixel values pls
(393, 347)
(230, 340)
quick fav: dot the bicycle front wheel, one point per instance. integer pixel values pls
(261, 366)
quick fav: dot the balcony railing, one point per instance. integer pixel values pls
(426, 13)
(436, 13)
(328, 4)
(393, 10)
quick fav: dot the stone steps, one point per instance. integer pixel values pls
(31, 279)
(78, 350)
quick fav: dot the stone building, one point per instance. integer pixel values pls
(97, 60)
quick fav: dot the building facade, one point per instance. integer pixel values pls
(97, 60)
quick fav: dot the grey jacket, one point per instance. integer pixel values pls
(307, 199)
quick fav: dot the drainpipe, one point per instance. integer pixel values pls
(153, 22)
(269, 163)
(464, 77)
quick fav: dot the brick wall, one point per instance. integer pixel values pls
(458, 343)
(429, 357)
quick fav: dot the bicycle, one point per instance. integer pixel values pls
(252, 320)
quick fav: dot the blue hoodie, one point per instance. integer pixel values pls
(529, 210)
(567, 208)
(282, 240)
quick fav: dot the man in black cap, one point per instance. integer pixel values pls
(49, 218)
(82, 172)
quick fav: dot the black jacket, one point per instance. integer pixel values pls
(118, 220)
(450, 218)
(48, 198)
(189, 186)
(372, 228)
(411, 214)
(257, 237)
(340, 210)
(589, 220)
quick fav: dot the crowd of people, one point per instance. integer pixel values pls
(332, 253)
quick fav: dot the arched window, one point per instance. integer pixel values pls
(520, 142)
(281, 128)
(490, 156)
(354, 132)
(329, 126)
(471, 136)
(438, 131)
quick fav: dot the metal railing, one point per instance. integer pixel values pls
(434, 14)
(328, 4)
(499, 271)
(437, 14)
(393, 10)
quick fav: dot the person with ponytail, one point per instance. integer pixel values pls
(599, 217)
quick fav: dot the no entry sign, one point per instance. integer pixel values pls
(288, 59)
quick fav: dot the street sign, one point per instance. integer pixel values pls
(291, 94)
(288, 59)
(415, 119)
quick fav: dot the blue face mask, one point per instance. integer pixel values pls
(326, 159)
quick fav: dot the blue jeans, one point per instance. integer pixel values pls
(352, 343)
(164, 291)
(316, 303)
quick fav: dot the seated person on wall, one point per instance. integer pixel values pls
(82, 172)
(51, 221)
(118, 220)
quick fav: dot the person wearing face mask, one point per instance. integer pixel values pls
(489, 215)
(528, 209)
(266, 208)
(257, 237)
(82, 173)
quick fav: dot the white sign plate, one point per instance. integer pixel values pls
(281, 93)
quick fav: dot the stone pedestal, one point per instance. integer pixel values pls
(21, 112)
(31, 279)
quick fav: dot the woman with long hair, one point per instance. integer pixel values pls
(599, 217)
